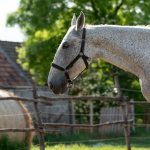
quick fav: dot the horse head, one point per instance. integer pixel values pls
(72, 57)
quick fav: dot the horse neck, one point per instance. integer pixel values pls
(120, 46)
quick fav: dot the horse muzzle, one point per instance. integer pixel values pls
(58, 87)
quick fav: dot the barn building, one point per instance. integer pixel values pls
(11, 73)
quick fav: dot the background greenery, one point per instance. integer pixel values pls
(6, 144)
(45, 22)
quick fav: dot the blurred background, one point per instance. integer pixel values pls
(40, 25)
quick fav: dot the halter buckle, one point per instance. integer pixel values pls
(65, 70)
(69, 81)
(81, 54)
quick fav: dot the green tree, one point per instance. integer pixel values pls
(44, 23)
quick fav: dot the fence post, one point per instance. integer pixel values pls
(38, 120)
(124, 117)
(91, 115)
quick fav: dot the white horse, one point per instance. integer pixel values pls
(126, 47)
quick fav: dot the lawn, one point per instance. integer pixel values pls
(84, 140)
(85, 147)
(140, 140)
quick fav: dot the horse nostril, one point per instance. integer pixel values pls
(51, 85)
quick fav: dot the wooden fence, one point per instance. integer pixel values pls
(40, 127)
(40, 131)
(111, 114)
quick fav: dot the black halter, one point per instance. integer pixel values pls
(81, 54)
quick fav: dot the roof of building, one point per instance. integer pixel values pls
(9, 75)
(8, 60)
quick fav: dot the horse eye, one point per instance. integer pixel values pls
(65, 45)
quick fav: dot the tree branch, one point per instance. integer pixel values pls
(118, 7)
(94, 8)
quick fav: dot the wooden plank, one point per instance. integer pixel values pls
(108, 118)
(18, 130)
(24, 87)
(48, 131)
(73, 117)
(81, 126)
(38, 120)
(29, 130)
(132, 113)
(114, 117)
(137, 125)
(25, 99)
(112, 113)
(100, 121)
(134, 103)
(104, 117)
(91, 116)
(120, 129)
(120, 117)
(77, 98)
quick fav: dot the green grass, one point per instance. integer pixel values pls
(140, 143)
(85, 147)
(73, 142)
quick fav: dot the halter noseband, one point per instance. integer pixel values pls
(81, 54)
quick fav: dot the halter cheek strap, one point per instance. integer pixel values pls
(81, 54)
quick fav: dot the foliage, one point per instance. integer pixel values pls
(45, 22)
(6, 144)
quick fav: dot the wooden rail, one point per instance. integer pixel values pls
(78, 98)
(133, 103)
(137, 125)
(45, 88)
(29, 130)
(26, 99)
(81, 126)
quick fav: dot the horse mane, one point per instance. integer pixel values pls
(104, 25)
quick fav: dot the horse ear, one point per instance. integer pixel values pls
(80, 21)
(73, 22)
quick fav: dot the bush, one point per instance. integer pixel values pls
(90, 84)
(6, 144)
